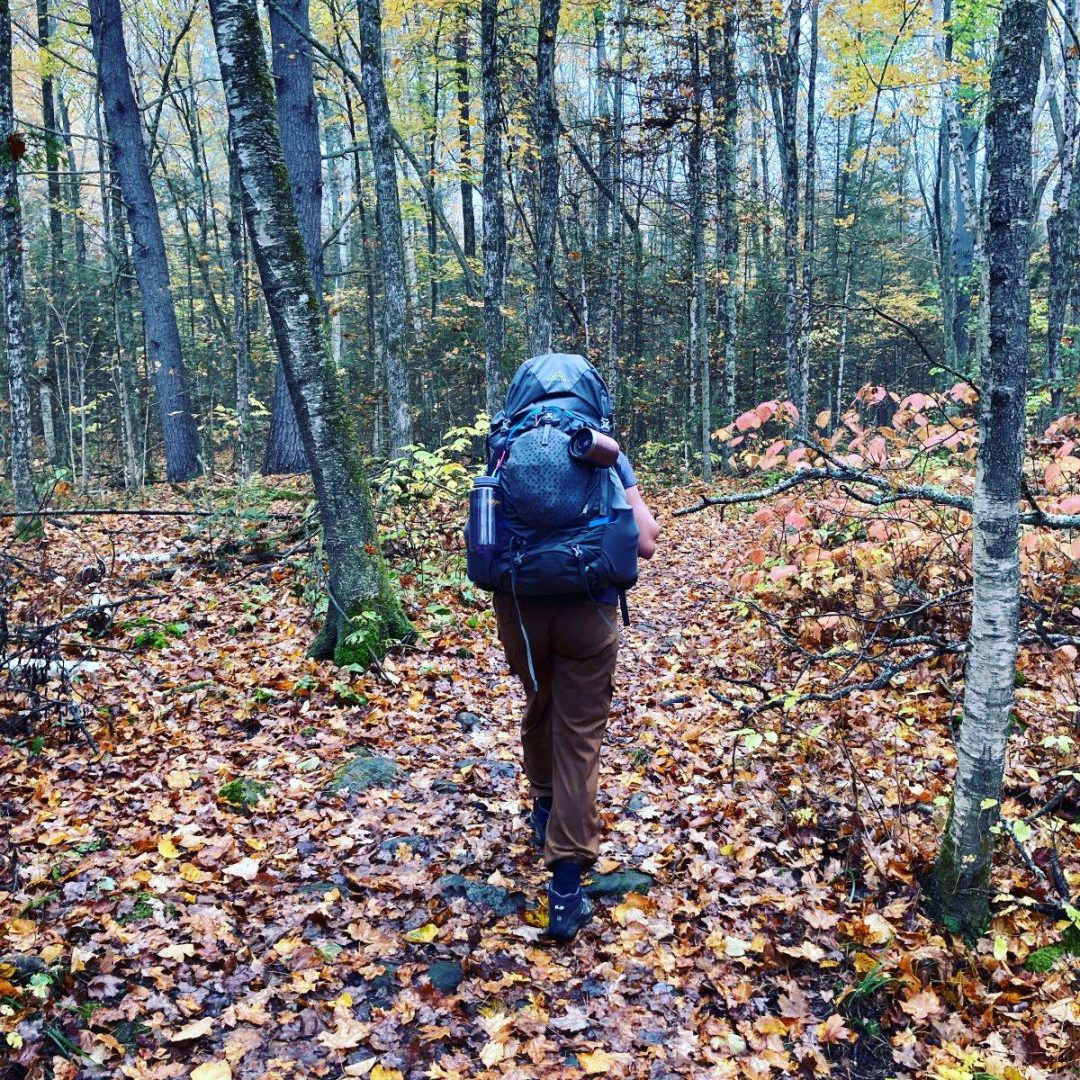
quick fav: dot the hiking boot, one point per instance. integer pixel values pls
(567, 914)
(541, 811)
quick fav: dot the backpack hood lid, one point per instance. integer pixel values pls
(565, 379)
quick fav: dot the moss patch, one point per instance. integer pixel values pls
(362, 772)
(243, 792)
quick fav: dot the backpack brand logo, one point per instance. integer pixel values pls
(558, 377)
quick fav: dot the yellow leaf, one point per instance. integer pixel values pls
(167, 849)
(195, 1030)
(1001, 947)
(596, 1062)
(190, 872)
(14, 1040)
(212, 1070)
(423, 935)
(381, 1072)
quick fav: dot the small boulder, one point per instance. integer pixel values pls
(494, 897)
(618, 884)
(468, 720)
(445, 975)
(362, 772)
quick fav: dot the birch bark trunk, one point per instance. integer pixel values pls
(962, 875)
(164, 355)
(364, 615)
(11, 272)
(298, 121)
(243, 459)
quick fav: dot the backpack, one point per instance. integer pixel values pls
(563, 527)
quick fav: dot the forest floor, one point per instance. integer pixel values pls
(272, 868)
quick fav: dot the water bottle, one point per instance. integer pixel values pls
(482, 499)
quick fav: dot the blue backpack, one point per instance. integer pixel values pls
(563, 527)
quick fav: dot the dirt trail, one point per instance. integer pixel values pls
(319, 932)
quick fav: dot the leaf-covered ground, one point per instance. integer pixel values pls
(273, 868)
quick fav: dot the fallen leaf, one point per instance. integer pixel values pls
(246, 869)
(167, 849)
(195, 1030)
(212, 1070)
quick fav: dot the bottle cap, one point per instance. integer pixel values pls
(485, 481)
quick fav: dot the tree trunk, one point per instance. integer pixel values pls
(12, 144)
(164, 357)
(56, 275)
(615, 269)
(809, 226)
(698, 289)
(243, 458)
(782, 75)
(364, 615)
(726, 105)
(388, 214)
(461, 59)
(1062, 225)
(961, 883)
(494, 238)
(547, 138)
(298, 121)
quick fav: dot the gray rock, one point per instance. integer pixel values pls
(493, 766)
(618, 884)
(468, 720)
(445, 975)
(362, 772)
(413, 843)
(494, 897)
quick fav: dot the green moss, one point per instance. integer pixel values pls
(362, 772)
(29, 528)
(1042, 960)
(243, 792)
(955, 900)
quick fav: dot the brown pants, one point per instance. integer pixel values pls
(574, 644)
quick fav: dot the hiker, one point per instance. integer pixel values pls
(555, 530)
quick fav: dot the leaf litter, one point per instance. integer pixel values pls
(758, 901)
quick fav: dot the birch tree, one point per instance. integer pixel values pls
(364, 615)
(298, 120)
(961, 881)
(12, 146)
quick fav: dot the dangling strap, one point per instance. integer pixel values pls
(524, 633)
(623, 607)
(605, 492)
